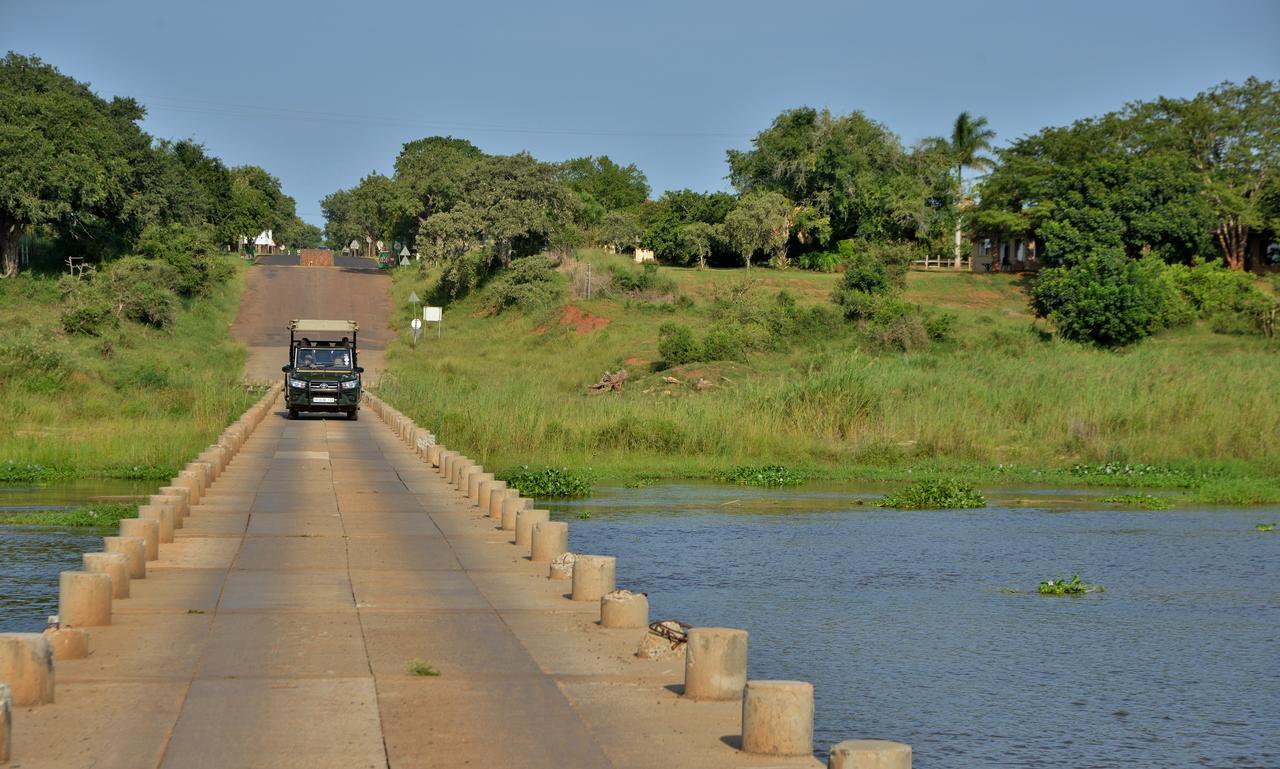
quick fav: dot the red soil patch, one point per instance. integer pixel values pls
(582, 321)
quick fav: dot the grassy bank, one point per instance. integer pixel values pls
(999, 402)
(134, 402)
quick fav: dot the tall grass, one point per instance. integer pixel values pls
(132, 398)
(510, 391)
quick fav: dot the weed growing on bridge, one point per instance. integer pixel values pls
(416, 667)
(935, 495)
(1071, 586)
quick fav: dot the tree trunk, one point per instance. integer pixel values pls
(1233, 239)
(959, 203)
(9, 234)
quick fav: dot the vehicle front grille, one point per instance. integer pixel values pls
(324, 387)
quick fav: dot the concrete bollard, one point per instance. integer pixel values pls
(488, 489)
(179, 498)
(134, 550)
(202, 472)
(473, 486)
(84, 599)
(148, 529)
(164, 518)
(496, 498)
(777, 718)
(511, 509)
(525, 520)
(432, 454)
(69, 643)
(715, 663)
(562, 566)
(548, 540)
(593, 577)
(446, 459)
(869, 754)
(624, 609)
(188, 479)
(456, 466)
(6, 723)
(113, 565)
(464, 478)
(26, 665)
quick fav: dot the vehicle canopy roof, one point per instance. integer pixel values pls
(324, 326)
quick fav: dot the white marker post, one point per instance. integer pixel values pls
(416, 325)
(434, 315)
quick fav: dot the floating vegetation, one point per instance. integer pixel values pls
(417, 667)
(1144, 501)
(769, 476)
(550, 483)
(935, 495)
(101, 516)
(641, 481)
(1264, 527)
(1071, 586)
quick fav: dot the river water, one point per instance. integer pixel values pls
(903, 622)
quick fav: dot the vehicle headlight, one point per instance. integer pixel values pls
(351, 384)
(298, 383)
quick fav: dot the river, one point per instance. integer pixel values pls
(903, 622)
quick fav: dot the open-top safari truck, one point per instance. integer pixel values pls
(323, 373)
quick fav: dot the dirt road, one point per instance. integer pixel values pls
(275, 294)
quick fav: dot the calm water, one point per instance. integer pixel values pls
(899, 619)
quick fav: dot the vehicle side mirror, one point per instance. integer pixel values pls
(359, 369)
(286, 368)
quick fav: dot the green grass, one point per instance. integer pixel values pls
(133, 403)
(1144, 501)
(420, 668)
(1002, 403)
(768, 476)
(100, 516)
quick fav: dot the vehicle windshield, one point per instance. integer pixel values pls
(322, 358)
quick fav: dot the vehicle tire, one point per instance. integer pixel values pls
(293, 413)
(353, 414)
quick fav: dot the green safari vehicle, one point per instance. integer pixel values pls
(323, 373)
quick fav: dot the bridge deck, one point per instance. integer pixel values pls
(276, 630)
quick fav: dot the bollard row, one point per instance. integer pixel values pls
(777, 716)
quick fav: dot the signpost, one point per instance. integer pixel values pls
(416, 325)
(414, 300)
(434, 315)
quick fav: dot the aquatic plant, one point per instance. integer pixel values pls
(550, 483)
(1071, 586)
(1265, 527)
(770, 476)
(935, 495)
(416, 667)
(104, 516)
(1144, 501)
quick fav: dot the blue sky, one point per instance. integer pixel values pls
(321, 93)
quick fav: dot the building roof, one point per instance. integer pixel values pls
(323, 325)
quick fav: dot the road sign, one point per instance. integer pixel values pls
(404, 251)
(413, 297)
(432, 314)
(417, 324)
(404, 261)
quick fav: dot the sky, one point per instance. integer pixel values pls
(322, 93)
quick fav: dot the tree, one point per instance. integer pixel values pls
(970, 137)
(619, 229)
(1232, 135)
(663, 219)
(428, 178)
(696, 240)
(64, 155)
(365, 213)
(603, 181)
(760, 223)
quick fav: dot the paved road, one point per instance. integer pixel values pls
(275, 632)
(275, 294)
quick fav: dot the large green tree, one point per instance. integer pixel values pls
(428, 180)
(759, 224)
(604, 183)
(663, 221)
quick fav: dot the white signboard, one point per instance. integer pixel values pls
(432, 314)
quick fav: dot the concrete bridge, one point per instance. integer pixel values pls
(324, 593)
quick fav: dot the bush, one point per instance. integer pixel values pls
(192, 252)
(550, 483)
(725, 341)
(935, 495)
(529, 284)
(939, 327)
(84, 309)
(1105, 298)
(676, 344)
(646, 280)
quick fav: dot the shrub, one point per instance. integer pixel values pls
(645, 280)
(819, 261)
(725, 341)
(1104, 298)
(767, 475)
(676, 344)
(192, 253)
(529, 284)
(935, 495)
(550, 483)
(939, 327)
(84, 309)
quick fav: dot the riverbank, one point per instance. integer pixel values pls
(129, 403)
(1001, 402)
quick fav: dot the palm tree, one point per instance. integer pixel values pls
(970, 138)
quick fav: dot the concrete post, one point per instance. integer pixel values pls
(488, 488)
(84, 599)
(777, 718)
(113, 565)
(6, 723)
(511, 509)
(624, 609)
(177, 496)
(562, 566)
(548, 540)
(134, 550)
(26, 665)
(869, 754)
(210, 472)
(496, 498)
(524, 527)
(201, 472)
(715, 663)
(593, 577)
(451, 469)
(464, 478)
(69, 643)
(433, 454)
(148, 529)
(164, 518)
(187, 478)
(473, 486)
